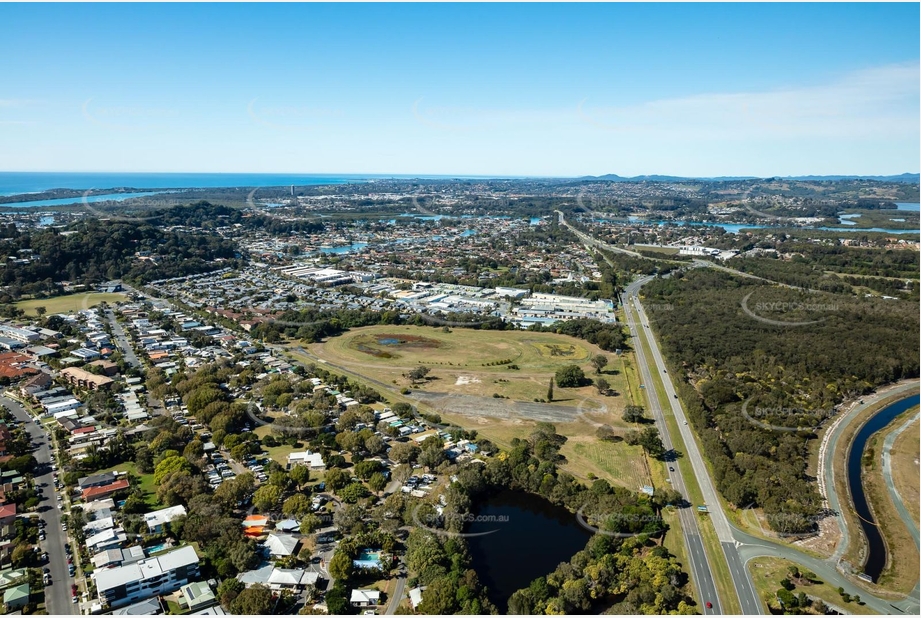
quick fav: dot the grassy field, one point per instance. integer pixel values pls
(905, 457)
(901, 573)
(618, 463)
(66, 304)
(767, 573)
(466, 361)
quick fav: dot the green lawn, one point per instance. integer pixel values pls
(146, 482)
(66, 304)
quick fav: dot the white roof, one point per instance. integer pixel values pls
(314, 460)
(281, 544)
(291, 577)
(365, 596)
(157, 518)
(107, 579)
(415, 597)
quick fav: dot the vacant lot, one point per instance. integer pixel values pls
(515, 365)
(66, 304)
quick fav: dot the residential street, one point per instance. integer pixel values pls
(57, 594)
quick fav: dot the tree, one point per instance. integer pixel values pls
(418, 373)
(633, 414)
(228, 590)
(296, 505)
(341, 567)
(550, 391)
(40, 311)
(602, 385)
(336, 479)
(169, 465)
(599, 362)
(377, 482)
(404, 452)
(353, 492)
(252, 601)
(300, 475)
(570, 376)
(266, 497)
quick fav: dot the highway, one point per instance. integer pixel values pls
(57, 594)
(701, 572)
(740, 547)
(745, 590)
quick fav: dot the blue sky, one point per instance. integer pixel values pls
(544, 90)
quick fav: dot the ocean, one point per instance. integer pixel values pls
(13, 183)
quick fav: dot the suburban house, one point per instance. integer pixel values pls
(166, 573)
(415, 596)
(313, 460)
(96, 480)
(36, 383)
(16, 597)
(365, 598)
(147, 607)
(196, 596)
(104, 491)
(156, 519)
(7, 514)
(281, 545)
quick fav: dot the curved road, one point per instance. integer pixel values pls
(890, 483)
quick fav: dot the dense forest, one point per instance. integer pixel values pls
(792, 377)
(93, 251)
(209, 216)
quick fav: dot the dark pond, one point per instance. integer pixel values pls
(532, 536)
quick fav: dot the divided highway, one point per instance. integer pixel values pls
(702, 574)
(745, 590)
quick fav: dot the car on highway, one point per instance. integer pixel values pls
(671, 469)
(74, 599)
(709, 605)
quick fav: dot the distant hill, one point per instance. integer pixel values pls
(903, 178)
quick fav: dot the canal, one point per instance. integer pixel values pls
(876, 548)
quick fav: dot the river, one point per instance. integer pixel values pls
(530, 537)
(876, 553)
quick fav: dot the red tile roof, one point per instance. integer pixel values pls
(91, 493)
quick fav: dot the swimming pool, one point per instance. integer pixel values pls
(156, 548)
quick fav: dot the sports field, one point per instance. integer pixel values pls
(66, 304)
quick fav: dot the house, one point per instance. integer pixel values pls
(12, 577)
(313, 460)
(104, 491)
(166, 573)
(147, 607)
(415, 596)
(292, 579)
(36, 383)
(281, 545)
(256, 576)
(196, 596)
(156, 519)
(96, 480)
(118, 557)
(365, 598)
(7, 514)
(16, 597)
